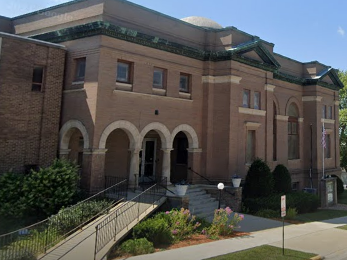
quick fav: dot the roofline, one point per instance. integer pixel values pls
(17, 37)
(5, 17)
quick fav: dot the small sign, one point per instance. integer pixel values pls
(283, 206)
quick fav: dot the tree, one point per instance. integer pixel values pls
(343, 119)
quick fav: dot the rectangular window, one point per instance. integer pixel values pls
(250, 146)
(124, 72)
(246, 98)
(80, 69)
(330, 112)
(293, 141)
(256, 100)
(324, 111)
(37, 80)
(184, 83)
(327, 149)
(159, 76)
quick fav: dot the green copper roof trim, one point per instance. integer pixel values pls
(122, 33)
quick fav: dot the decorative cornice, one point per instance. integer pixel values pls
(95, 151)
(281, 117)
(221, 79)
(312, 98)
(64, 151)
(269, 87)
(327, 121)
(250, 111)
(252, 125)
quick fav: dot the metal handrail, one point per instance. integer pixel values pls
(39, 237)
(164, 186)
(111, 226)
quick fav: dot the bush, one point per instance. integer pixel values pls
(291, 213)
(259, 180)
(268, 213)
(339, 184)
(69, 218)
(156, 230)
(137, 247)
(282, 180)
(303, 202)
(12, 196)
(223, 224)
(52, 188)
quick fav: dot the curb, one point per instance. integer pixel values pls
(317, 257)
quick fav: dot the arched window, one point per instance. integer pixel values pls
(293, 132)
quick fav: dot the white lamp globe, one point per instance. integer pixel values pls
(220, 186)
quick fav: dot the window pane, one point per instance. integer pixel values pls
(250, 146)
(327, 149)
(293, 110)
(330, 112)
(323, 111)
(293, 147)
(123, 72)
(158, 78)
(80, 69)
(289, 127)
(256, 100)
(245, 98)
(184, 81)
(294, 128)
(38, 75)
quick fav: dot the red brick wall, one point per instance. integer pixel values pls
(29, 121)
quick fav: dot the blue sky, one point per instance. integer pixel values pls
(304, 30)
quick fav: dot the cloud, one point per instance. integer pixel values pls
(341, 31)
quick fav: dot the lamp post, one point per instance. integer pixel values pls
(220, 187)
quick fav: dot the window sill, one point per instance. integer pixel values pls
(78, 83)
(250, 111)
(328, 121)
(185, 95)
(159, 91)
(124, 86)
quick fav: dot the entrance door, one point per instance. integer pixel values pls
(148, 159)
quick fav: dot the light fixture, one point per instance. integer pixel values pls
(220, 187)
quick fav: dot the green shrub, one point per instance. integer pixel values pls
(52, 188)
(291, 213)
(156, 230)
(339, 184)
(303, 202)
(223, 223)
(282, 180)
(268, 213)
(137, 247)
(12, 196)
(259, 180)
(69, 218)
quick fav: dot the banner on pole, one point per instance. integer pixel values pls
(283, 206)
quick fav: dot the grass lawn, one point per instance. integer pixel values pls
(342, 198)
(265, 252)
(321, 214)
(343, 227)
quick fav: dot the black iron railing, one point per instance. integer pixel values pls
(28, 242)
(111, 226)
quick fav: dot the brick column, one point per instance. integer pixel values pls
(134, 168)
(93, 169)
(167, 164)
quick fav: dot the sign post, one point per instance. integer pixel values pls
(283, 214)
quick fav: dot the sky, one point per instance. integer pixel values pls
(304, 30)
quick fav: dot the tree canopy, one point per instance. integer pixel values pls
(343, 119)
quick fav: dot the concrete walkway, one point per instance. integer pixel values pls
(321, 238)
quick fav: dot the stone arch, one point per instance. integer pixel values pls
(128, 128)
(67, 130)
(163, 132)
(297, 103)
(189, 132)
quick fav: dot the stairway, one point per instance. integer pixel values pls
(201, 203)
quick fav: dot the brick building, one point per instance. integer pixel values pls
(146, 95)
(31, 82)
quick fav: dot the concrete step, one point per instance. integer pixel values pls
(200, 201)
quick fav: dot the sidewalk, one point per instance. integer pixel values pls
(321, 238)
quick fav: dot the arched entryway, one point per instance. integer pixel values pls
(156, 146)
(74, 140)
(117, 158)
